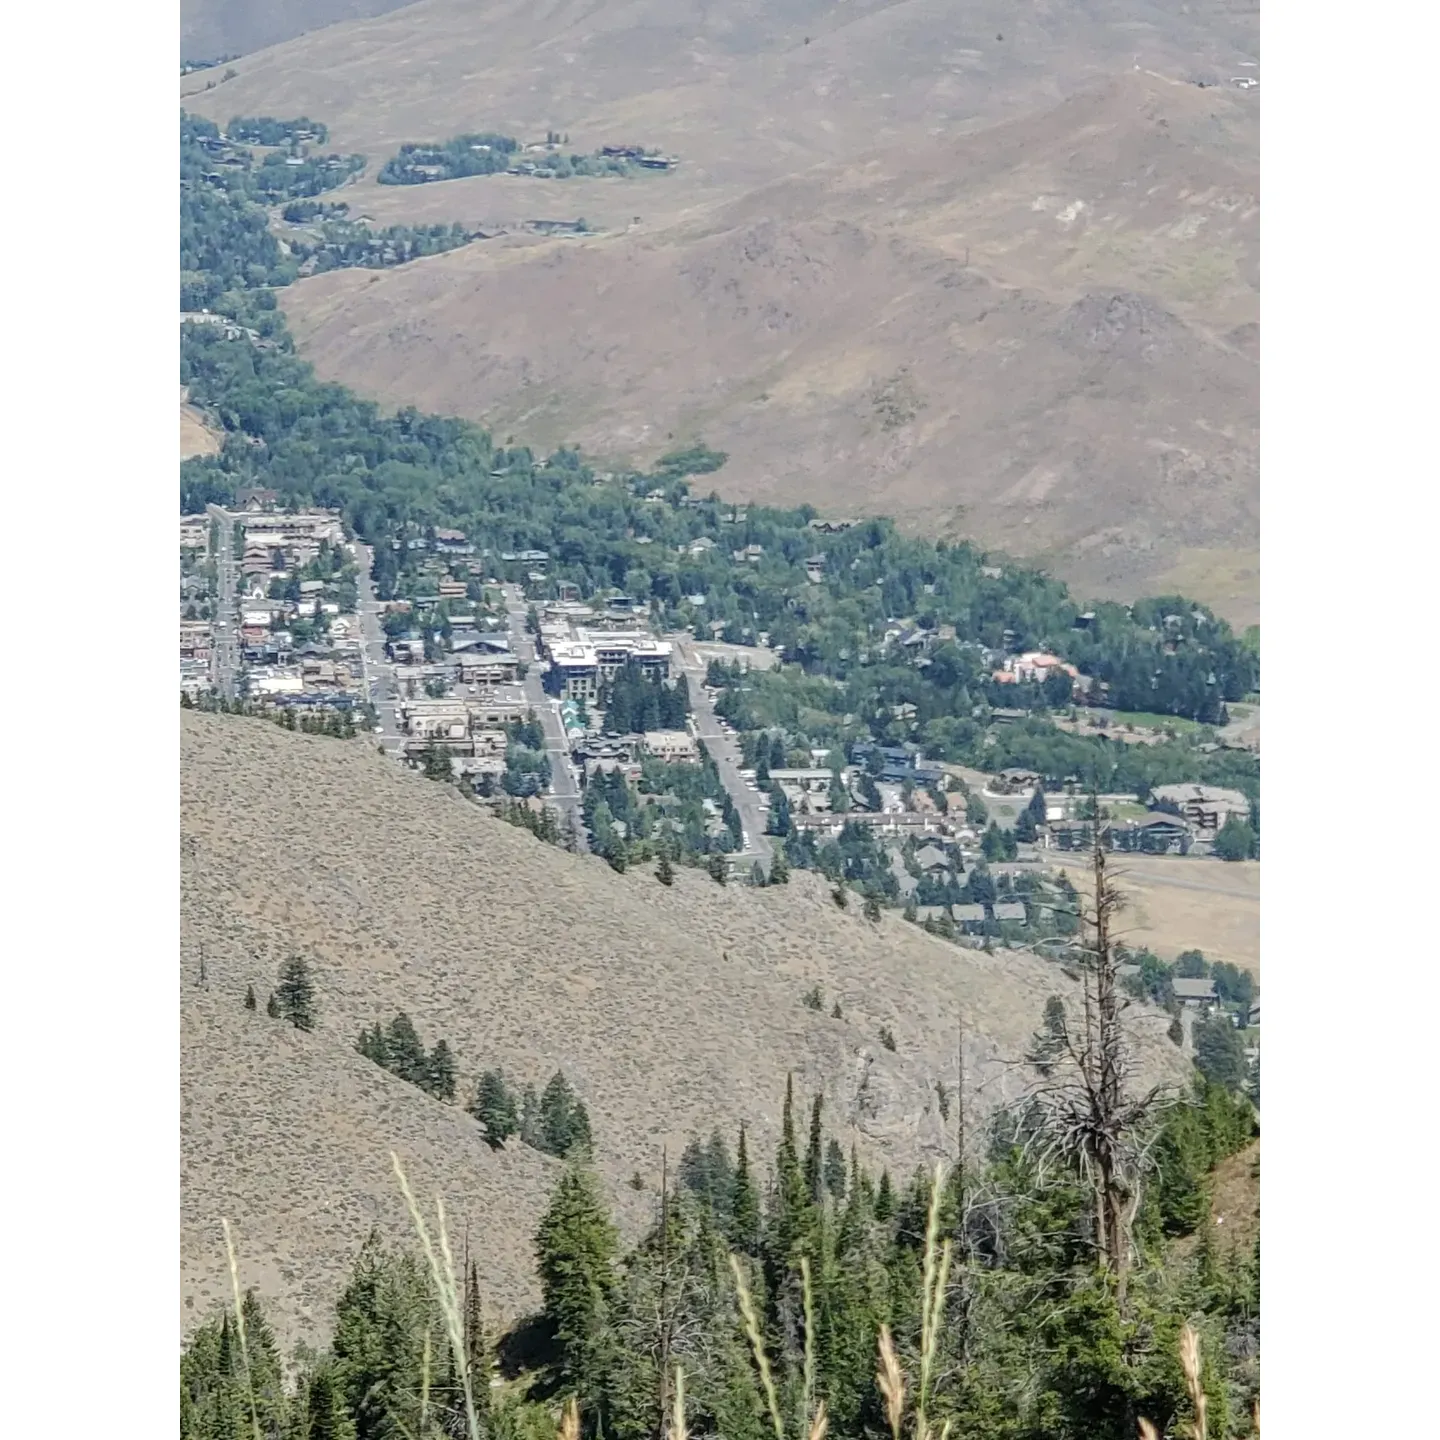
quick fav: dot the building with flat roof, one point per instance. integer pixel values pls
(588, 659)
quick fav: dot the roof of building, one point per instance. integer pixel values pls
(1193, 989)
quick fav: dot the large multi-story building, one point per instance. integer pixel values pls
(588, 659)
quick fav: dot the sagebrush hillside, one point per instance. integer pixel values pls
(672, 1011)
(997, 277)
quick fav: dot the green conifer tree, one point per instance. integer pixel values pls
(563, 1122)
(405, 1055)
(295, 993)
(325, 1415)
(834, 1172)
(494, 1108)
(779, 866)
(272, 1007)
(884, 1198)
(815, 1153)
(441, 1072)
(250, 997)
(744, 1203)
(575, 1254)
(664, 870)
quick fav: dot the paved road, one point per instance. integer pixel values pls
(379, 673)
(727, 756)
(225, 647)
(564, 782)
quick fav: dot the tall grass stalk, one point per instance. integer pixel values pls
(442, 1272)
(240, 1327)
(932, 1301)
(569, 1421)
(757, 1344)
(677, 1408)
(1190, 1364)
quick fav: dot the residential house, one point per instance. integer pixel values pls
(1157, 834)
(1010, 912)
(672, 746)
(931, 858)
(1194, 994)
(969, 918)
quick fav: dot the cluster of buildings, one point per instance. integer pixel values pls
(267, 605)
(1182, 820)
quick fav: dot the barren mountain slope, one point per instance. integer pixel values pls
(212, 28)
(779, 79)
(672, 1011)
(1040, 335)
(807, 290)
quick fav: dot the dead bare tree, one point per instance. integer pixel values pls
(1089, 1119)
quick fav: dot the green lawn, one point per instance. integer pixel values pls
(1142, 719)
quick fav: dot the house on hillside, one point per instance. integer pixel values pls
(1195, 994)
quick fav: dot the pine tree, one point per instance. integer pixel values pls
(265, 1380)
(325, 1414)
(834, 1171)
(716, 867)
(779, 866)
(884, 1198)
(494, 1108)
(664, 871)
(249, 997)
(405, 1054)
(441, 1075)
(575, 1255)
(744, 1203)
(295, 993)
(272, 1007)
(564, 1125)
(815, 1155)
(871, 909)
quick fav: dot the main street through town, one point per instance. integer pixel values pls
(726, 754)
(225, 649)
(564, 782)
(379, 674)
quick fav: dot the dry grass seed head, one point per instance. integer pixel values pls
(891, 1382)
(757, 1344)
(1190, 1364)
(677, 1411)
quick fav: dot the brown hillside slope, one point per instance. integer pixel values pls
(212, 28)
(993, 335)
(672, 1011)
(862, 282)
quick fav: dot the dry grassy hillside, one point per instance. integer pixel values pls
(995, 276)
(672, 1011)
(212, 28)
(196, 436)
